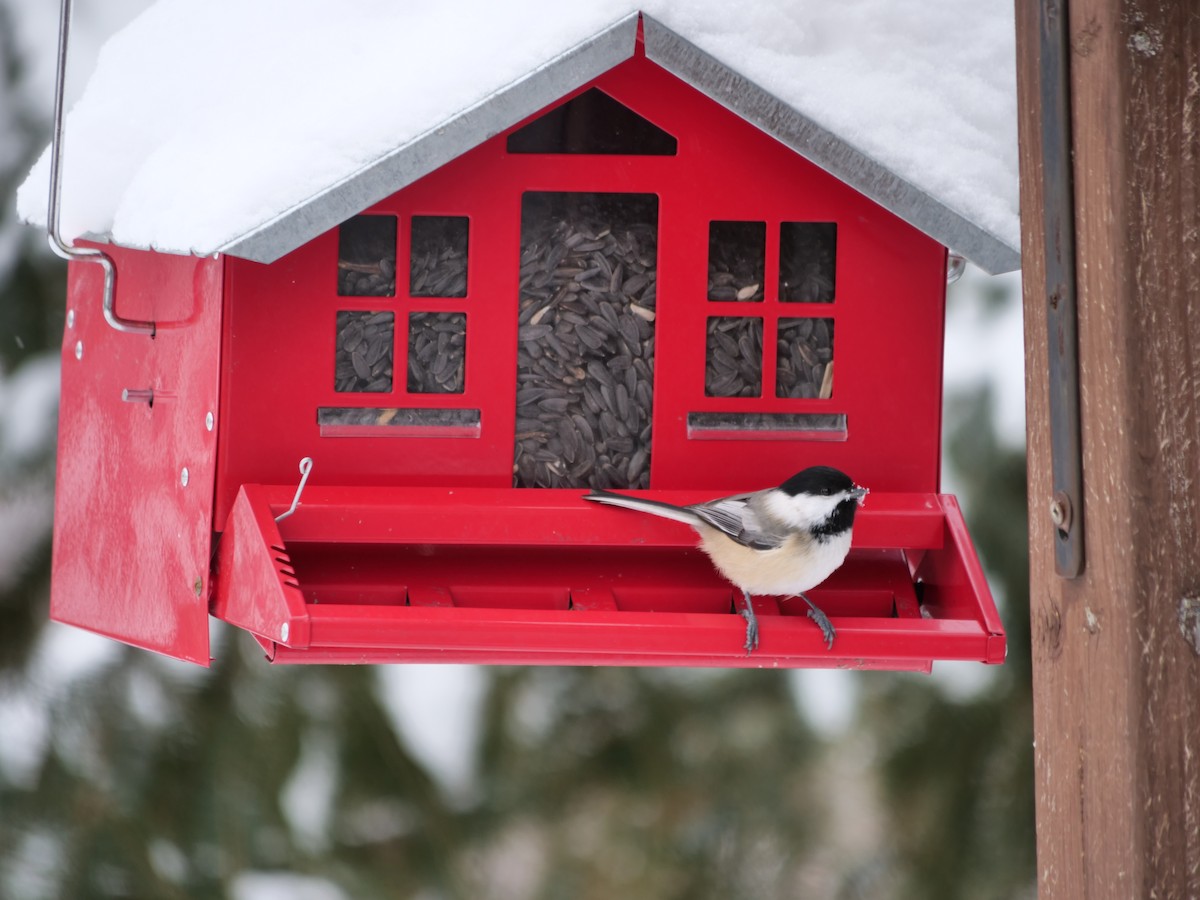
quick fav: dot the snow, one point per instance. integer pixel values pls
(826, 698)
(283, 886)
(35, 32)
(436, 711)
(29, 408)
(204, 121)
(25, 720)
(985, 345)
(308, 795)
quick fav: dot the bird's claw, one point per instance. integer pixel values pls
(751, 644)
(822, 622)
(747, 613)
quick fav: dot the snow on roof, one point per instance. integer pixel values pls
(251, 126)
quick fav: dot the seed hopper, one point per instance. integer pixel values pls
(638, 282)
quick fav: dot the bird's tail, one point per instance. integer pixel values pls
(642, 504)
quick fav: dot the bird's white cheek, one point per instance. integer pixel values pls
(802, 511)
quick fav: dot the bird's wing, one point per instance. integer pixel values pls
(736, 517)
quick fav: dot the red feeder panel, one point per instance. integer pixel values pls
(705, 280)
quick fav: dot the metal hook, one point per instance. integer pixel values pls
(305, 467)
(57, 244)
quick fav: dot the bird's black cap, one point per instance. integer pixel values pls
(817, 480)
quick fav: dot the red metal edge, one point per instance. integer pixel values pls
(432, 634)
(383, 514)
(256, 584)
(959, 575)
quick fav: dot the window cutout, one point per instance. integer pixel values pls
(436, 348)
(807, 261)
(585, 340)
(438, 266)
(736, 254)
(766, 426)
(734, 360)
(804, 363)
(356, 421)
(364, 351)
(367, 257)
(593, 122)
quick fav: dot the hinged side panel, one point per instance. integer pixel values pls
(133, 507)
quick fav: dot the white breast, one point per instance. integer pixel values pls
(787, 570)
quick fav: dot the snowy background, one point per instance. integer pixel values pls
(438, 716)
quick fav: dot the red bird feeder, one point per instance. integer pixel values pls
(635, 286)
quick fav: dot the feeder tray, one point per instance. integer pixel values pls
(369, 575)
(632, 288)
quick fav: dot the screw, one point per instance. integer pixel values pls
(1060, 511)
(283, 632)
(208, 421)
(199, 586)
(183, 476)
(70, 318)
(79, 349)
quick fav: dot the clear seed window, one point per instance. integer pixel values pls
(585, 351)
(436, 347)
(736, 260)
(367, 257)
(803, 348)
(807, 255)
(432, 348)
(364, 351)
(438, 256)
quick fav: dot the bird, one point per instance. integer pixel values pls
(780, 541)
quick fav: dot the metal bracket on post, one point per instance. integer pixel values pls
(1066, 504)
(57, 244)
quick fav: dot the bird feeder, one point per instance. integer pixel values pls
(653, 277)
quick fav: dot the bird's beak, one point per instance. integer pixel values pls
(860, 494)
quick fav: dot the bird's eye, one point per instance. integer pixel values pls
(826, 491)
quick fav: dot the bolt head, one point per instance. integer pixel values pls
(79, 349)
(283, 632)
(209, 421)
(184, 476)
(1060, 511)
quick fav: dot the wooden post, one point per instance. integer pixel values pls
(1116, 652)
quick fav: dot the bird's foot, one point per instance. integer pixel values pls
(822, 622)
(747, 613)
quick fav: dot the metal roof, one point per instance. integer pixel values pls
(921, 210)
(436, 147)
(292, 227)
(577, 66)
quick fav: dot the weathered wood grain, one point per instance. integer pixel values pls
(1116, 677)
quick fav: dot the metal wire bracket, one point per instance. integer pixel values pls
(306, 465)
(57, 244)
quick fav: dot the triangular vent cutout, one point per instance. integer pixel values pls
(593, 122)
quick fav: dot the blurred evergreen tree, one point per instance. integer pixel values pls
(958, 773)
(32, 285)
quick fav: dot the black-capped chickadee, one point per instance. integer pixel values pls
(780, 541)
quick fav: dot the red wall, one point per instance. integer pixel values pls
(279, 342)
